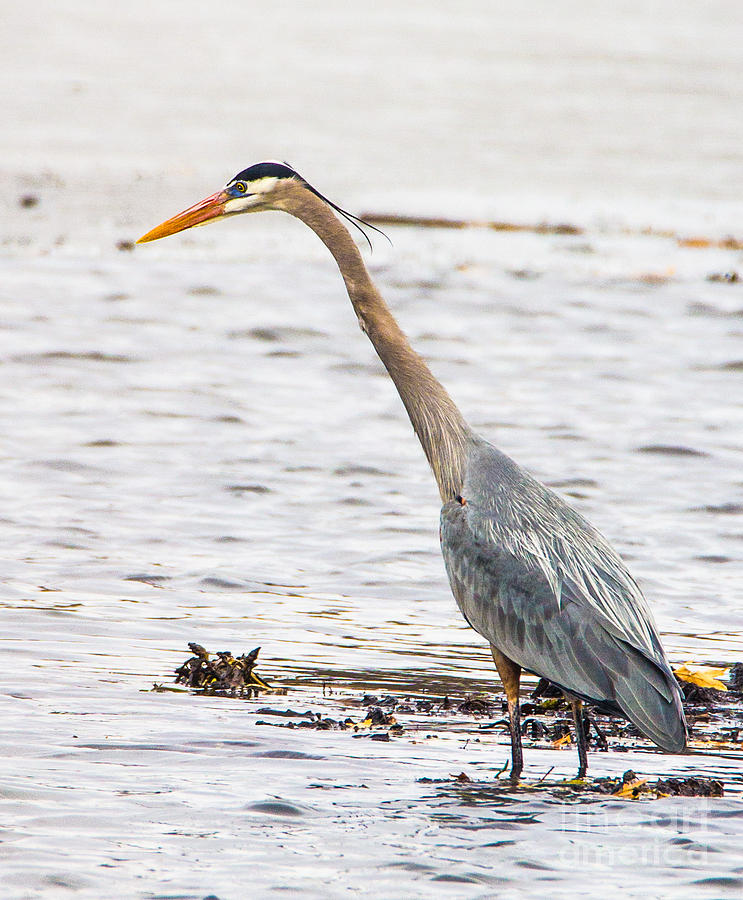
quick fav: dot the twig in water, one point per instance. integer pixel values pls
(501, 771)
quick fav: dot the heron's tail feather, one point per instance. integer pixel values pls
(649, 697)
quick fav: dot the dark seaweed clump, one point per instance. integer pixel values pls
(630, 787)
(221, 672)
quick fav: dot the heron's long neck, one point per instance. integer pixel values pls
(440, 427)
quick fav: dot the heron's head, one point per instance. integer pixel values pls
(266, 185)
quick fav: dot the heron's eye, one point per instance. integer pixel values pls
(240, 187)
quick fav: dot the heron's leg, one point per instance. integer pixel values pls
(580, 737)
(510, 675)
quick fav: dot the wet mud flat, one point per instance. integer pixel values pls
(714, 717)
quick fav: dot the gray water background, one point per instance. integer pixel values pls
(200, 445)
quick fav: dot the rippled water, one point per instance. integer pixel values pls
(201, 452)
(200, 445)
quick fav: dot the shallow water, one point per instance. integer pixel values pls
(200, 445)
(186, 465)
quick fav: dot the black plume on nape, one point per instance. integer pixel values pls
(358, 224)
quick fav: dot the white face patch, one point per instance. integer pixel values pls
(240, 204)
(255, 191)
(261, 185)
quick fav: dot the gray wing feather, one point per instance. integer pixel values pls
(548, 591)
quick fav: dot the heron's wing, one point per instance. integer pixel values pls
(510, 602)
(547, 590)
(509, 509)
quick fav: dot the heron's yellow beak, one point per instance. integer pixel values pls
(199, 214)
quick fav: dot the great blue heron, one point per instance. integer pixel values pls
(527, 571)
